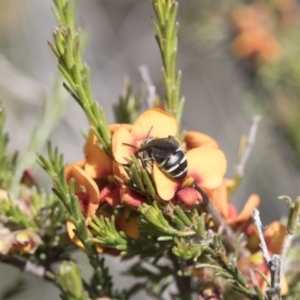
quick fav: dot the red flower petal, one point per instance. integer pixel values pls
(111, 194)
(189, 196)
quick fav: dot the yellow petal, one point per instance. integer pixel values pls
(156, 121)
(165, 186)
(79, 163)
(70, 230)
(252, 202)
(86, 182)
(114, 127)
(275, 235)
(194, 139)
(207, 165)
(121, 151)
(130, 227)
(219, 198)
(98, 163)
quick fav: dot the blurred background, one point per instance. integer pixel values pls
(237, 60)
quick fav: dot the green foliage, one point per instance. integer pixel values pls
(67, 49)
(154, 216)
(166, 28)
(48, 210)
(43, 212)
(154, 277)
(188, 238)
(54, 166)
(128, 107)
(15, 215)
(7, 162)
(187, 249)
(106, 233)
(293, 213)
(193, 241)
(140, 178)
(70, 282)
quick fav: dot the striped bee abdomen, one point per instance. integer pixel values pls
(175, 165)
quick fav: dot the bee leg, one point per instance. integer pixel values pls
(148, 164)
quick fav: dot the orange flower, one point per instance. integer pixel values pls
(70, 230)
(129, 227)
(94, 176)
(250, 16)
(20, 241)
(25, 241)
(206, 168)
(90, 198)
(274, 236)
(206, 165)
(237, 220)
(86, 188)
(258, 43)
(194, 139)
(98, 164)
(151, 123)
(219, 197)
(228, 211)
(255, 40)
(103, 168)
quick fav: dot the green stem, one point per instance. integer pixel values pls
(166, 28)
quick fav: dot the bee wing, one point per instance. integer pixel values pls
(163, 151)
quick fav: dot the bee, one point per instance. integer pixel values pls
(168, 155)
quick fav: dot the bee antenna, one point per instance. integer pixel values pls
(130, 145)
(149, 132)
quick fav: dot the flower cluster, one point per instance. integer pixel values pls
(252, 256)
(17, 238)
(117, 186)
(31, 222)
(274, 236)
(104, 183)
(18, 241)
(255, 40)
